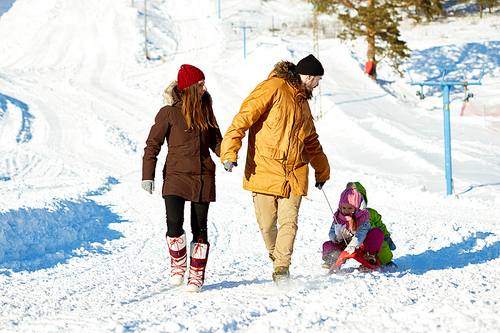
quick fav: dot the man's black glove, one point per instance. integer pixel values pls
(319, 185)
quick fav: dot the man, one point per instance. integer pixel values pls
(282, 141)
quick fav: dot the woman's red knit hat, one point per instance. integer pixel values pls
(188, 75)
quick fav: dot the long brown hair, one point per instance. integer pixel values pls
(197, 111)
(354, 223)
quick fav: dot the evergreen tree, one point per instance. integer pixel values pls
(482, 4)
(427, 8)
(375, 20)
(486, 3)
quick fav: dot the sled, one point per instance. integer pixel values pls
(357, 255)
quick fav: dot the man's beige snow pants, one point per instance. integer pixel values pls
(272, 211)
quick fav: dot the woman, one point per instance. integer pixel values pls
(189, 126)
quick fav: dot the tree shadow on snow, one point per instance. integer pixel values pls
(454, 256)
(233, 284)
(33, 239)
(5, 6)
(466, 56)
(24, 135)
(339, 100)
(472, 187)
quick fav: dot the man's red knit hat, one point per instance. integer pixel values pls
(188, 75)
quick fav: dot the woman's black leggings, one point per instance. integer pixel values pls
(175, 218)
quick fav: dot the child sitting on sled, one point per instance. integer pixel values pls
(351, 229)
(385, 255)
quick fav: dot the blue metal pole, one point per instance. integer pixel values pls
(244, 43)
(219, 8)
(446, 111)
(447, 137)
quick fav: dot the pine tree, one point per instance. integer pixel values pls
(377, 21)
(482, 4)
(427, 8)
(486, 3)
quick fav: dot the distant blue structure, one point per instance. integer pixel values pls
(244, 26)
(445, 80)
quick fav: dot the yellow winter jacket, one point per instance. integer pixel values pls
(282, 139)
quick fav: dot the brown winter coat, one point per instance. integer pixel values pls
(189, 171)
(282, 139)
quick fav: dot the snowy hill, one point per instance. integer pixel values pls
(82, 245)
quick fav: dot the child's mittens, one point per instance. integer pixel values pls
(350, 249)
(338, 228)
(389, 242)
(341, 233)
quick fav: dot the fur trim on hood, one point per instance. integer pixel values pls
(286, 70)
(169, 94)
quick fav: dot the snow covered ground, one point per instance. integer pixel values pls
(82, 246)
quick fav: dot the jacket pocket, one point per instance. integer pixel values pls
(271, 152)
(175, 165)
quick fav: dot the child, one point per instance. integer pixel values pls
(351, 229)
(385, 255)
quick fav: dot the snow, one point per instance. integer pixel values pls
(82, 246)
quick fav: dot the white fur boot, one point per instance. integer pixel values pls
(178, 256)
(199, 256)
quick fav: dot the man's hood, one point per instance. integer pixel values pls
(286, 70)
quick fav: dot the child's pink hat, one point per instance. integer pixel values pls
(351, 197)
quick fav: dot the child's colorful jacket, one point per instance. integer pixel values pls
(375, 217)
(340, 230)
(385, 255)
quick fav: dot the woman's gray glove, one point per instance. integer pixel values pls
(148, 186)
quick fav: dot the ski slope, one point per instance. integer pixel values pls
(82, 246)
